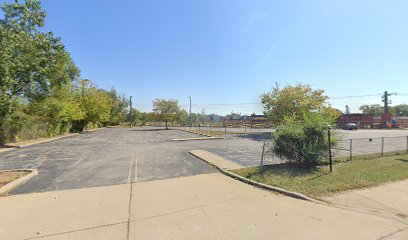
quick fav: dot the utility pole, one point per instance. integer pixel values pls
(191, 122)
(130, 112)
(386, 101)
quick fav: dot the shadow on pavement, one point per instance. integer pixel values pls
(151, 130)
(261, 137)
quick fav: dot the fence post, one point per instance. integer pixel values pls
(351, 149)
(382, 146)
(330, 154)
(262, 157)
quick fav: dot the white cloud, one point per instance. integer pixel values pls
(255, 17)
(267, 56)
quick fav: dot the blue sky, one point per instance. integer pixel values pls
(224, 52)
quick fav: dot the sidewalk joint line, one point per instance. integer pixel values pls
(130, 211)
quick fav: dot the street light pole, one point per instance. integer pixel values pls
(190, 113)
(130, 112)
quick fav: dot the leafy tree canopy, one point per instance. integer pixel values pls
(166, 109)
(292, 101)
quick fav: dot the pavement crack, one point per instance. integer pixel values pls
(183, 210)
(205, 213)
(393, 210)
(392, 233)
(74, 231)
(130, 211)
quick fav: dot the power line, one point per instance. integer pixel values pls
(258, 103)
(358, 96)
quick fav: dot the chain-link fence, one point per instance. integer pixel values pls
(349, 148)
(220, 128)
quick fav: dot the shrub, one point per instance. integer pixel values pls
(303, 140)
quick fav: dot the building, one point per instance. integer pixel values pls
(368, 121)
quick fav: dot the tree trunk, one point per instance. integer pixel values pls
(166, 124)
(2, 133)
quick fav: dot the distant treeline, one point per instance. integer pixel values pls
(400, 110)
(41, 89)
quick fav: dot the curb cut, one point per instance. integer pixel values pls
(11, 185)
(192, 139)
(261, 185)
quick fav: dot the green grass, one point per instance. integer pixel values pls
(319, 182)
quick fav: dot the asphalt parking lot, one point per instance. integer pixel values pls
(372, 141)
(121, 155)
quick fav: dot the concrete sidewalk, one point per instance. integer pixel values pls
(388, 201)
(208, 206)
(215, 160)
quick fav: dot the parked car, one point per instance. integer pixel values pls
(350, 126)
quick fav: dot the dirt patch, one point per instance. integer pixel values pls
(7, 177)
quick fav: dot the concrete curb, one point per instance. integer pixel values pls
(11, 185)
(11, 147)
(38, 142)
(192, 139)
(202, 134)
(94, 130)
(260, 185)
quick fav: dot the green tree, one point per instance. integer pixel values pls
(182, 117)
(166, 110)
(292, 101)
(136, 117)
(400, 110)
(61, 108)
(96, 103)
(118, 104)
(305, 142)
(331, 114)
(373, 109)
(25, 54)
